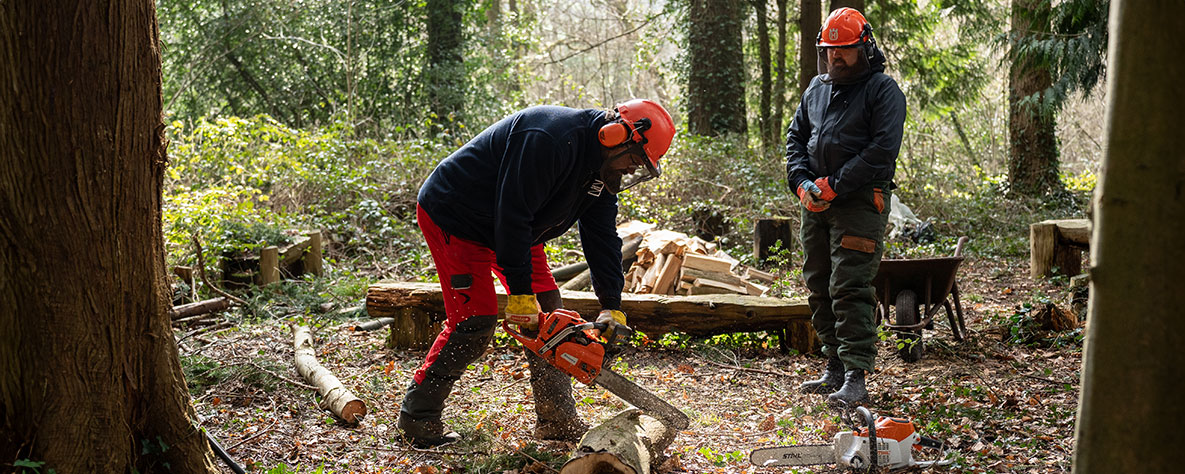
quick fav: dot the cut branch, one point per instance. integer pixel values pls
(334, 396)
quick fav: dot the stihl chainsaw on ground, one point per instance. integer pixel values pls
(567, 341)
(895, 440)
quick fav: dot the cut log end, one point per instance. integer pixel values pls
(354, 411)
(596, 463)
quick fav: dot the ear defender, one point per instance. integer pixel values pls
(614, 133)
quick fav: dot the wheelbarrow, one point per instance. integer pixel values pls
(906, 284)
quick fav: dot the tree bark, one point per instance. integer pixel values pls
(1032, 150)
(716, 76)
(93, 382)
(810, 19)
(1130, 398)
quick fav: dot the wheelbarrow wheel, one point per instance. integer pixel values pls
(907, 314)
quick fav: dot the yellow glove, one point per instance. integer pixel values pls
(523, 310)
(613, 318)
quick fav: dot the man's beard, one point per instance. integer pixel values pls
(841, 73)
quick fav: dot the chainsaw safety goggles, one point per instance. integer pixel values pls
(627, 166)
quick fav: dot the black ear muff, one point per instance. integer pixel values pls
(614, 133)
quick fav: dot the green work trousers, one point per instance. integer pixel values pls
(843, 247)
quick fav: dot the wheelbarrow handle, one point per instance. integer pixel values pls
(959, 247)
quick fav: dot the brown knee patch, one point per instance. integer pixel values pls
(859, 244)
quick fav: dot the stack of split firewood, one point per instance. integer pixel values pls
(671, 263)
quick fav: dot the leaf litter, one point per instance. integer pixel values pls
(1000, 407)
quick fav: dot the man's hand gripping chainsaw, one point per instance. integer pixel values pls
(568, 342)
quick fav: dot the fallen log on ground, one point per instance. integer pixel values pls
(373, 324)
(418, 308)
(200, 307)
(334, 396)
(628, 443)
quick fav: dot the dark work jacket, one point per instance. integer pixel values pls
(851, 133)
(525, 180)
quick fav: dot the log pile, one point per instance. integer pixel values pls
(671, 263)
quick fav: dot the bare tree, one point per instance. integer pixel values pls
(90, 379)
(764, 118)
(776, 131)
(1130, 400)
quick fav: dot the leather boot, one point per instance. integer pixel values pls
(420, 413)
(424, 434)
(853, 392)
(832, 378)
(555, 410)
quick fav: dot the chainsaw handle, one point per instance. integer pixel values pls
(873, 451)
(524, 339)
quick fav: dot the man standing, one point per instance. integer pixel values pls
(841, 153)
(490, 207)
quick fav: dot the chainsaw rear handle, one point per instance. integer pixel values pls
(873, 451)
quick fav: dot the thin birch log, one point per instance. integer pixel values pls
(334, 396)
(373, 324)
(198, 308)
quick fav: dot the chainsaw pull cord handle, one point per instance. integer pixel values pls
(873, 452)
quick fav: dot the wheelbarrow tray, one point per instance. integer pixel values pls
(931, 279)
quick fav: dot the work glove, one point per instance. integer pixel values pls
(823, 185)
(614, 319)
(808, 193)
(524, 311)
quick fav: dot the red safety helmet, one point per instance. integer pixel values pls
(844, 27)
(644, 122)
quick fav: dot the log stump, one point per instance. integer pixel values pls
(768, 232)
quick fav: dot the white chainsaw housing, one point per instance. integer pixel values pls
(851, 450)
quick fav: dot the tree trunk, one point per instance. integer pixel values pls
(1032, 156)
(93, 382)
(1130, 400)
(837, 4)
(779, 101)
(716, 76)
(810, 19)
(764, 123)
(445, 72)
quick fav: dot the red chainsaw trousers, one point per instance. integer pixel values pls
(466, 270)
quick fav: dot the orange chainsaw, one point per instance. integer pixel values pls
(568, 342)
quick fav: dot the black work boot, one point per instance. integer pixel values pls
(853, 392)
(420, 413)
(425, 434)
(555, 410)
(831, 379)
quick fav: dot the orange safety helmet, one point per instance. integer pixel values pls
(641, 121)
(844, 27)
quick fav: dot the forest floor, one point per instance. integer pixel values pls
(1000, 406)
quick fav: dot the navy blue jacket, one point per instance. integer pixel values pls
(851, 133)
(525, 180)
